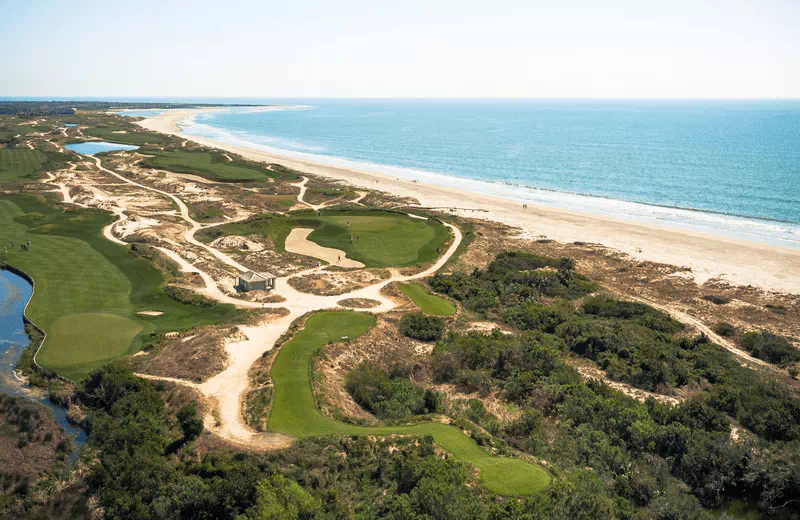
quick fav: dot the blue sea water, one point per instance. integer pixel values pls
(730, 167)
(93, 147)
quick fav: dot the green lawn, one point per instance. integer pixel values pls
(19, 163)
(211, 165)
(294, 410)
(427, 302)
(88, 289)
(385, 239)
(137, 137)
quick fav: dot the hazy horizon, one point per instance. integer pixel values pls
(446, 49)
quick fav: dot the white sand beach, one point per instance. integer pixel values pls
(739, 262)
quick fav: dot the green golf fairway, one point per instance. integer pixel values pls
(211, 165)
(19, 163)
(88, 289)
(428, 303)
(294, 410)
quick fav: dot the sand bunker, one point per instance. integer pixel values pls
(150, 313)
(298, 242)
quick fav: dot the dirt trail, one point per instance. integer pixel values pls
(361, 195)
(184, 214)
(705, 329)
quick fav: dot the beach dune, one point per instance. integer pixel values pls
(771, 268)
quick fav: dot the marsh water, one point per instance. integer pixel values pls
(15, 291)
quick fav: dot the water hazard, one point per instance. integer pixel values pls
(93, 147)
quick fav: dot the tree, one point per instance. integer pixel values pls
(278, 498)
(190, 422)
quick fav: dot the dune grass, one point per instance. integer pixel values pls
(427, 302)
(379, 238)
(19, 163)
(88, 290)
(294, 410)
(211, 165)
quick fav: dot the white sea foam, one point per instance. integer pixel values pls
(743, 228)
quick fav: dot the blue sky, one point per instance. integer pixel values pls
(433, 48)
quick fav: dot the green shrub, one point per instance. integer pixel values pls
(422, 327)
(389, 397)
(717, 299)
(187, 297)
(770, 347)
(190, 422)
(725, 329)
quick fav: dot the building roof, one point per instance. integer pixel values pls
(250, 276)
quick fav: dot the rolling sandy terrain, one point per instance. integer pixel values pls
(708, 256)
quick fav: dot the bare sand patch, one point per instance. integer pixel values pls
(297, 242)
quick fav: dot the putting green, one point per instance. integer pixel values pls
(294, 410)
(97, 345)
(428, 303)
(374, 238)
(88, 289)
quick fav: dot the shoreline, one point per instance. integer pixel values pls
(739, 262)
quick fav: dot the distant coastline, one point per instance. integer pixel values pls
(772, 266)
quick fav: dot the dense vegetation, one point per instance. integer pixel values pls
(421, 326)
(146, 469)
(770, 347)
(389, 395)
(603, 429)
(33, 449)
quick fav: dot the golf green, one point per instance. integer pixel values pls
(294, 410)
(428, 303)
(374, 238)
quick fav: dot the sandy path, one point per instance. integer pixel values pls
(361, 195)
(298, 242)
(707, 255)
(108, 231)
(184, 214)
(688, 319)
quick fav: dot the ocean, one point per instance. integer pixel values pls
(725, 167)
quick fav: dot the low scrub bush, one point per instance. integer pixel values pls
(770, 347)
(422, 327)
(725, 329)
(389, 397)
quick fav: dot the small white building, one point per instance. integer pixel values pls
(252, 281)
